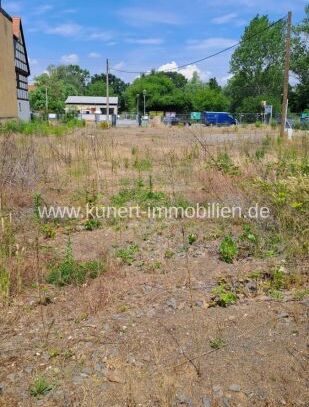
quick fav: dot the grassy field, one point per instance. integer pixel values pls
(150, 311)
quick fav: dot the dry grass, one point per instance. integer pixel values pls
(143, 331)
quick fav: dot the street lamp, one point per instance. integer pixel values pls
(144, 94)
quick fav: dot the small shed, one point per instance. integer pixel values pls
(87, 106)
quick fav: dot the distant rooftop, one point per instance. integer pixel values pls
(90, 100)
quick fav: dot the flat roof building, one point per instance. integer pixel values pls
(87, 106)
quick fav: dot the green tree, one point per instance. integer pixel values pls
(299, 97)
(57, 90)
(162, 93)
(257, 66)
(72, 75)
(97, 87)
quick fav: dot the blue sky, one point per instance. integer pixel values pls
(138, 35)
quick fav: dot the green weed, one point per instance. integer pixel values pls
(225, 164)
(223, 296)
(69, 271)
(217, 343)
(127, 254)
(92, 224)
(228, 249)
(40, 387)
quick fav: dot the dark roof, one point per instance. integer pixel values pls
(18, 33)
(5, 14)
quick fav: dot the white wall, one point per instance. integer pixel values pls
(24, 113)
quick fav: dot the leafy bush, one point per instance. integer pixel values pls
(104, 125)
(140, 195)
(48, 231)
(225, 164)
(92, 224)
(127, 254)
(39, 127)
(223, 296)
(217, 343)
(192, 238)
(69, 271)
(40, 387)
(142, 165)
(228, 249)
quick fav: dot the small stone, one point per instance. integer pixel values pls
(184, 400)
(86, 372)
(171, 303)
(235, 387)
(226, 402)
(282, 315)
(206, 401)
(1, 389)
(251, 286)
(217, 390)
(12, 377)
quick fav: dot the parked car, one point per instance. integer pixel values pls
(171, 120)
(218, 119)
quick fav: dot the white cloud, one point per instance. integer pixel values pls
(70, 59)
(208, 43)
(65, 30)
(101, 36)
(224, 18)
(138, 16)
(187, 72)
(145, 41)
(94, 55)
(224, 80)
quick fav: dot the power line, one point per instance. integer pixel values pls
(208, 56)
(132, 72)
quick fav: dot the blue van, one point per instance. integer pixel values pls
(218, 119)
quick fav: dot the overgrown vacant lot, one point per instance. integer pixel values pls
(154, 312)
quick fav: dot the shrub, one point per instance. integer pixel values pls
(192, 238)
(217, 343)
(40, 387)
(92, 224)
(142, 165)
(127, 254)
(225, 164)
(140, 195)
(223, 296)
(69, 271)
(228, 249)
(104, 125)
(48, 231)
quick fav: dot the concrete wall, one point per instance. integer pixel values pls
(24, 113)
(8, 97)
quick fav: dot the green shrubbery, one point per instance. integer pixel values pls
(228, 249)
(70, 271)
(40, 127)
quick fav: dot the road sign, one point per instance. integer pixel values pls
(195, 115)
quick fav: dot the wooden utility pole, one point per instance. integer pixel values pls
(46, 102)
(107, 91)
(286, 76)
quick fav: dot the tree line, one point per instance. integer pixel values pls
(256, 67)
